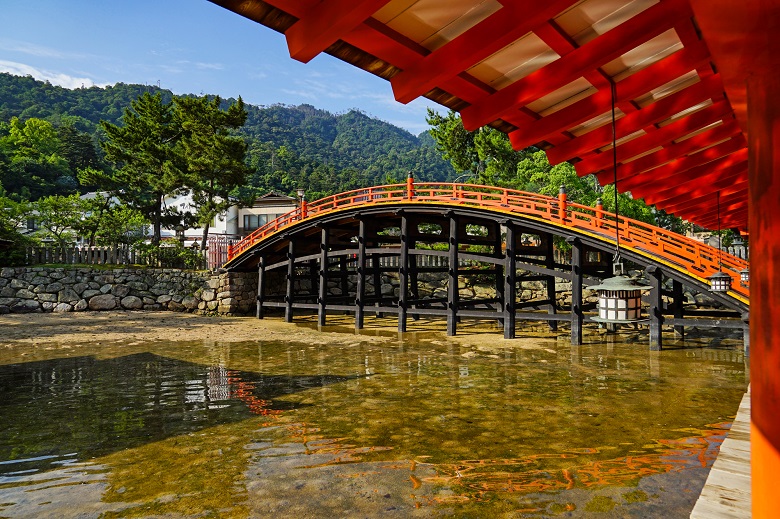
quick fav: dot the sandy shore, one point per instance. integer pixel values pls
(115, 327)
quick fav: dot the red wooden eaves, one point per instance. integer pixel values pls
(694, 187)
(654, 76)
(499, 30)
(607, 47)
(325, 23)
(710, 88)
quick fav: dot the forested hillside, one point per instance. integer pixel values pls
(289, 147)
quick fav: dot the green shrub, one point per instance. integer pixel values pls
(170, 254)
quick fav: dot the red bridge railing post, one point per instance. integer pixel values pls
(410, 186)
(562, 203)
(599, 213)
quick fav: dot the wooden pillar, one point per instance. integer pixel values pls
(510, 281)
(452, 286)
(288, 298)
(323, 286)
(656, 309)
(550, 282)
(679, 305)
(764, 192)
(360, 296)
(414, 283)
(260, 286)
(499, 272)
(403, 274)
(576, 290)
(377, 271)
(344, 277)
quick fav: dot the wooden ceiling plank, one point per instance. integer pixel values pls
(635, 85)
(597, 52)
(497, 31)
(725, 186)
(325, 23)
(651, 114)
(661, 137)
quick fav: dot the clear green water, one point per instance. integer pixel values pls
(421, 428)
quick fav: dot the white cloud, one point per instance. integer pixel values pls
(34, 50)
(55, 78)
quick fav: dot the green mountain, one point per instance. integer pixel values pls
(289, 146)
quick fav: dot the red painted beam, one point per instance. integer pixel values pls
(499, 30)
(709, 88)
(696, 186)
(325, 23)
(661, 137)
(672, 67)
(607, 47)
(674, 158)
(735, 216)
(720, 156)
(696, 200)
(708, 210)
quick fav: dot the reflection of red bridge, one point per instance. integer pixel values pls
(347, 235)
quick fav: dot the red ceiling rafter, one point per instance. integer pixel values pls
(708, 197)
(651, 114)
(654, 76)
(708, 214)
(680, 157)
(603, 49)
(325, 23)
(661, 137)
(692, 188)
(499, 30)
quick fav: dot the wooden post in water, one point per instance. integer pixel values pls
(510, 281)
(576, 290)
(549, 262)
(360, 296)
(452, 285)
(323, 283)
(403, 274)
(288, 298)
(260, 286)
(656, 309)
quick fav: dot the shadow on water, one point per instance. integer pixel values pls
(71, 409)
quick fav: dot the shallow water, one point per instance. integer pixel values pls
(423, 427)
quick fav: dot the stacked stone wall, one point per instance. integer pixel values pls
(43, 289)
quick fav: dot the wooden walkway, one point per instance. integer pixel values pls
(726, 493)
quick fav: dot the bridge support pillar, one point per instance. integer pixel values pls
(499, 272)
(376, 268)
(510, 281)
(576, 290)
(656, 309)
(452, 285)
(323, 281)
(403, 275)
(679, 301)
(260, 286)
(360, 296)
(344, 274)
(550, 282)
(288, 298)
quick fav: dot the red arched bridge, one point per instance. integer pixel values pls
(368, 250)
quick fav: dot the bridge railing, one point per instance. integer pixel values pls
(681, 251)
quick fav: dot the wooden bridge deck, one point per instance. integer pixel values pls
(726, 494)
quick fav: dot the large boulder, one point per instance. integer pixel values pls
(26, 306)
(102, 302)
(132, 303)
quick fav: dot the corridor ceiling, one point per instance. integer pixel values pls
(543, 73)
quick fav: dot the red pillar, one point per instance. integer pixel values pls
(764, 225)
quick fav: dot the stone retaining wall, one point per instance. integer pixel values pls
(42, 289)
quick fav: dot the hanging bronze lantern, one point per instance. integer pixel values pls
(620, 300)
(744, 276)
(720, 282)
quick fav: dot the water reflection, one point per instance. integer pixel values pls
(419, 429)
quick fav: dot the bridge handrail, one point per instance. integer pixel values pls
(692, 255)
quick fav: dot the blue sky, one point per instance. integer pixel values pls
(188, 46)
